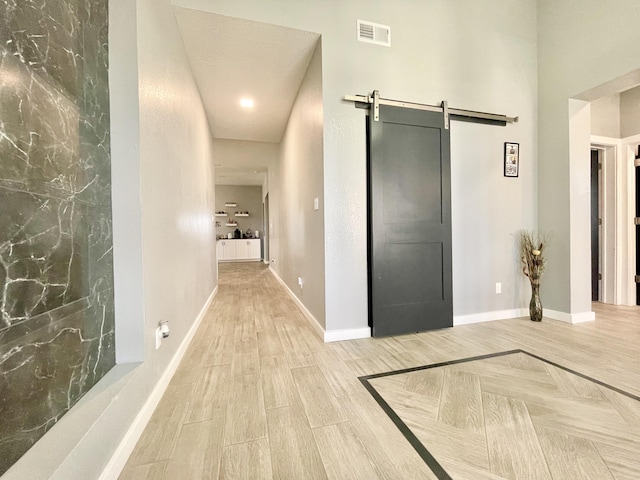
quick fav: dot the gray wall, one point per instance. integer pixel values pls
(56, 275)
(477, 54)
(630, 112)
(248, 199)
(618, 115)
(299, 228)
(605, 116)
(576, 41)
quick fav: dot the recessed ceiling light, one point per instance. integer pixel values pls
(246, 102)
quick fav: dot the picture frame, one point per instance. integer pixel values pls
(511, 159)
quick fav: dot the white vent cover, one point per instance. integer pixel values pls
(374, 33)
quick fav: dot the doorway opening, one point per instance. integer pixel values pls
(596, 224)
(636, 164)
(265, 242)
(614, 134)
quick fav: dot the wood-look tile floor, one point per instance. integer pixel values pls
(258, 395)
(516, 416)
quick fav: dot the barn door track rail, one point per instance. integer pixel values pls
(374, 101)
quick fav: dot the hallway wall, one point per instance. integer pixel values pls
(56, 275)
(299, 239)
(176, 176)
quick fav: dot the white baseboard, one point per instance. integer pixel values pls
(309, 316)
(489, 316)
(119, 459)
(328, 335)
(346, 334)
(569, 317)
(522, 312)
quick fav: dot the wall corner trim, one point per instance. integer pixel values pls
(119, 459)
(490, 316)
(308, 315)
(569, 317)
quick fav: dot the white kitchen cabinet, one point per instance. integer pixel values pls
(226, 250)
(248, 249)
(239, 250)
(254, 249)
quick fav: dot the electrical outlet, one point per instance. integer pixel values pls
(316, 203)
(498, 287)
(300, 281)
(158, 338)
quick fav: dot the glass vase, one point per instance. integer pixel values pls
(535, 306)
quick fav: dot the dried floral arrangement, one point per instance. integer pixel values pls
(532, 246)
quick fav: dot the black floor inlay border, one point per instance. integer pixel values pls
(424, 453)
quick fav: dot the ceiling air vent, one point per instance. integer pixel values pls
(374, 33)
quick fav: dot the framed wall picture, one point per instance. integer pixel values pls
(511, 159)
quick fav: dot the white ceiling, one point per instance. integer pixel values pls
(232, 58)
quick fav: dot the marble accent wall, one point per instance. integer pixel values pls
(56, 273)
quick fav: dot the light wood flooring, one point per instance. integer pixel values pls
(259, 396)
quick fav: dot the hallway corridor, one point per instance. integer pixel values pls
(260, 396)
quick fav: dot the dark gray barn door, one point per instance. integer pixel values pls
(409, 222)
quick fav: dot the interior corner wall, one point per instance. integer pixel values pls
(476, 54)
(576, 39)
(300, 243)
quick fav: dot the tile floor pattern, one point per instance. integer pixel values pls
(516, 416)
(259, 396)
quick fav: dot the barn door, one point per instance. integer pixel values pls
(409, 221)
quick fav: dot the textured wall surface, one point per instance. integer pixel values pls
(301, 179)
(56, 275)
